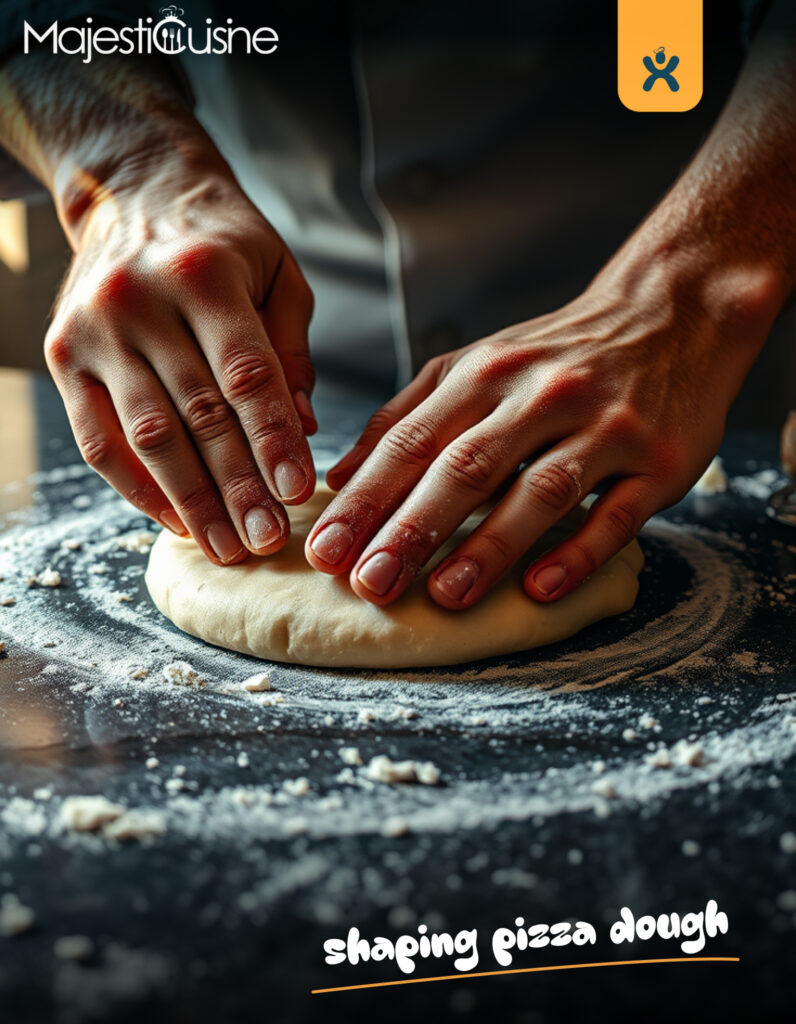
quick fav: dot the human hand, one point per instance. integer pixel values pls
(626, 387)
(179, 345)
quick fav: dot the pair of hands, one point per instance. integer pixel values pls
(179, 345)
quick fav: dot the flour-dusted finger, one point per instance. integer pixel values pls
(539, 497)
(260, 520)
(468, 472)
(612, 523)
(250, 377)
(383, 420)
(104, 447)
(158, 438)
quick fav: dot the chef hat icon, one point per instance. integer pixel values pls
(172, 11)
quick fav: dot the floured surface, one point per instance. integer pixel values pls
(281, 609)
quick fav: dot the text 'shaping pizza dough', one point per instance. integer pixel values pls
(281, 609)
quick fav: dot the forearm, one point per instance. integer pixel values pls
(723, 235)
(88, 130)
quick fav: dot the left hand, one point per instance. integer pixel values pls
(628, 387)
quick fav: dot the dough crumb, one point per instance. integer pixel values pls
(257, 683)
(605, 788)
(690, 754)
(97, 570)
(174, 785)
(136, 824)
(14, 917)
(296, 787)
(152, 763)
(47, 578)
(713, 480)
(180, 673)
(71, 545)
(140, 541)
(691, 848)
(73, 947)
(660, 759)
(407, 713)
(7, 602)
(366, 715)
(382, 769)
(88, 813)
(394, 827)
(139, 673)
(629, 734)
(243, 759)
(351, 755)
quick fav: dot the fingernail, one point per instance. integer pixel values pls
(290, 480)
(172, 522)
(303, 404)
(332, 543)
(379, 572)
(457, 579)
(550, 578)
(224, 541)
(262, 528)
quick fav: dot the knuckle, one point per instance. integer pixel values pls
(265, 434)
(468, 464)
(625, 426)
(554, 487)
(242, 487)
(498, 547)
(411, 440)
(192, 264)
(197, 501)
(246, 374)
(59, 349)
(152, 432)
(621, 519)
(206, 414)
(98, 451)
(118, 288)
(587, 556)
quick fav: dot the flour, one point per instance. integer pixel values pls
(15, 918)
(677, 658)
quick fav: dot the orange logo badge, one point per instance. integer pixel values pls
(659, 54)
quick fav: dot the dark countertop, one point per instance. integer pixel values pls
(223, 917)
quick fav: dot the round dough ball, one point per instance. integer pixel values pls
(281, 609)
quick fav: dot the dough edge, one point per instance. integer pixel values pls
(412, 633)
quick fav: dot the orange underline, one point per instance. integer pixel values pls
(533, 970)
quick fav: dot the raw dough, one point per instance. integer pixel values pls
(280, 609)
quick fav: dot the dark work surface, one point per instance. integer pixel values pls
(223, 918)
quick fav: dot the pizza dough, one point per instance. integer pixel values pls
(281, 609)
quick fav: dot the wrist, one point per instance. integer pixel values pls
(733, 289)
(97, 175)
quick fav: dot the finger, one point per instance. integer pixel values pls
(613, 521)
(540, 495)
(381, 421)
(157, 437)
(251, 379)
(396, 464)
(104, 447)
(467, 473)
(286, 316)
(215, 430)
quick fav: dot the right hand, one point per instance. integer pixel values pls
(179, 345)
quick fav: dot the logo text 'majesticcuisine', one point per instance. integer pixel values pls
(169, 36)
